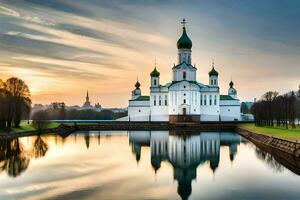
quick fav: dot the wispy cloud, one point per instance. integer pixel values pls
(9, 12)
(102, 46)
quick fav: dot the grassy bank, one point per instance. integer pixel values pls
(28, 127)
(280, 132)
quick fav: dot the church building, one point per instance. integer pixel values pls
(184, 99)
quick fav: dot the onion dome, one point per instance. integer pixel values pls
(184, 41)
(231, 84)
(213, 72)
(137, 85)
(154, 73)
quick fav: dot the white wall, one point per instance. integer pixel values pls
(184, 91)
(160, 109)
(207, 109)
(184, 55)
(213, 80)
(190, 73)
(230, 110)
(138, 110)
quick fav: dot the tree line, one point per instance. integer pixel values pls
(280, 110)
(58, 111)
(15, 102)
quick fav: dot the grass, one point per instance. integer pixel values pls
(24, 126)
(280, 132)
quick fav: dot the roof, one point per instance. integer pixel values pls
(226, 97)
(184, 41)
(201, 85)
(142, 98)
(213, 72)
(154, 73)
(168, 84)
(189, 65)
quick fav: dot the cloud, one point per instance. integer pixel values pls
(9, 12)
(69, 7)
(104, 45)
(38, 20)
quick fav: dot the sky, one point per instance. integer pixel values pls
(62, 48)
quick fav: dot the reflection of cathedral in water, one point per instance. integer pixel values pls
(185, 153)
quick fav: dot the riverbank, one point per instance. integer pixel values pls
(25, 127)
(280, 132)
(64, 128)
(61, 129)
(284, 151)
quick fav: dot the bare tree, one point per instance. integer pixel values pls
(282, 109)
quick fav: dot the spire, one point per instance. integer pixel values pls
(213, 72)
(231, 83)
(87, 96)
(154, 73)
(137, 84)
(184, 41)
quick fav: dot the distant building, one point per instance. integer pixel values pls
(88, 106)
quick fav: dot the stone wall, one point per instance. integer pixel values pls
(285, 152)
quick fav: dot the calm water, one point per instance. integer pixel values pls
(141, 165)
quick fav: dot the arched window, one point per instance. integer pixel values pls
(211, 81)
(201, 99)
(184, 101)
(210, 100)
(159, 100)
(184, 75)
(154, 102)
(215, 99)
(166, 100)
(205, 100)
(154, 82)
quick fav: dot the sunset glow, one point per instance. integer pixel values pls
(65, 48)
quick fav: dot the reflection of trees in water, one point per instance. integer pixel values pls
(14, 159)
(39, 148)
(87, 140)
(269, 159)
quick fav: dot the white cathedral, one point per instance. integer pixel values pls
(184, 99)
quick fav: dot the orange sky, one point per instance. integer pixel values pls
(61, 53)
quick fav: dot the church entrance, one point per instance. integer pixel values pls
(184, 111)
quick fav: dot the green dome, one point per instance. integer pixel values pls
(213, 72)
(184, 41)
(154, 73)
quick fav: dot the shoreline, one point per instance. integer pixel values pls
(271, 143)
(284, 151)
(68, 128)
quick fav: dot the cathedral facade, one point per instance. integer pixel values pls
(184, 99)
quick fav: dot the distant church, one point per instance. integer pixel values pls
(88, 106)
(184, 98)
